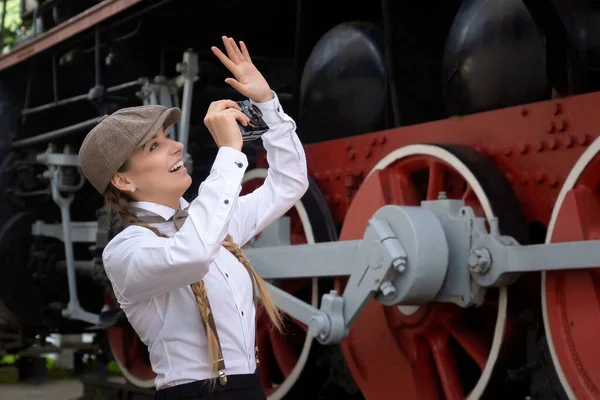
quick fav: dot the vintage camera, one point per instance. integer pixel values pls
(257, 126)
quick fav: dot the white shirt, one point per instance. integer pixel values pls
(150, 275)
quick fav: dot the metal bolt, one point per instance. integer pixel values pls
(399, 265)
(318, 326)
(442, 196)
(387, 289)
(480, 261)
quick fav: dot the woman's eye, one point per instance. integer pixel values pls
(153, 145)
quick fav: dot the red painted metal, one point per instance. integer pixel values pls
(66, 30)
(427, 352)
(572, 307)
(129, 351)
(279, 352)
(533, 145)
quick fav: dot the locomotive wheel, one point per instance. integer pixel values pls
(569, 298)
(284, 356)
(434, 351)
(129, 352)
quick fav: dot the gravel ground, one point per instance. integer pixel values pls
(52, 390)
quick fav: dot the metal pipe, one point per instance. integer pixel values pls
(47, 106)
(56, 134)
(97, 54)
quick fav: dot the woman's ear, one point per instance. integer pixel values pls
(121, 182)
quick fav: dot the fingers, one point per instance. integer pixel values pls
(238, 115)
(234, 54)
(231, 48)
(220, 105)
(236, 85)
(245, 51)
(236, 50)
(230, 65)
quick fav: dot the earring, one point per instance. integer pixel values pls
(132, 189)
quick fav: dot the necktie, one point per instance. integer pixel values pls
(180, 217)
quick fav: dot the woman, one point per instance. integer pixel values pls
(187, 288)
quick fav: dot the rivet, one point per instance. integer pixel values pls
(383, 140)
(552, 143)
(524, 112)
(568, 141)
(583, 139)
(561, 125)
(549, 127)
(552, 180)
(538, 145)
(523, 148)
(556, 108)
(508, 151)
(539, 177)
(352, 155)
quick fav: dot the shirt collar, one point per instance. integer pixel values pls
(163, 211)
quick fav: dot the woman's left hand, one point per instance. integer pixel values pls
(248, 81)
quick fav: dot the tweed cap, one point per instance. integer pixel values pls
(110, 143)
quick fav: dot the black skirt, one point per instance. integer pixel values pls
(243, 386)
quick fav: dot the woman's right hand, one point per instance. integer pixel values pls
(221, 120)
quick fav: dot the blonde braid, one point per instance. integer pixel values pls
(267, 302)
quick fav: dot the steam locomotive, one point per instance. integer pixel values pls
(445, 248)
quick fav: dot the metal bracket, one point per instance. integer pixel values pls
(81, 232)
(56, 173)
(189, 70)
(500, 260)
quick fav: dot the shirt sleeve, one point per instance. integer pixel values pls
(141, 264)
(286, 180)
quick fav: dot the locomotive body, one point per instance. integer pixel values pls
(451, 154)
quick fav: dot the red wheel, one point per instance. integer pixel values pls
(284, 357)
(435, 351)
(129, 352)
(570, 298)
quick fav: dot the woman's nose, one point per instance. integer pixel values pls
(176, 146)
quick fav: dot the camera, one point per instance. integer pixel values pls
(257, 126)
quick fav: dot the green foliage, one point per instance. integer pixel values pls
(13, 26)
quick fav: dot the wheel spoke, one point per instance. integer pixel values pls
(437, 179)
(470, 342)
(446, 364)
(426, 377)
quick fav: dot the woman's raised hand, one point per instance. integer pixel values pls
(248, 81)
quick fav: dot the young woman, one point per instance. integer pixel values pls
(176, 269)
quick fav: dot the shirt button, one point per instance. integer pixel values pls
(226, 274)
(242, 313)
(226, 201)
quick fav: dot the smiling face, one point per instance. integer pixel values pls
(156, 171)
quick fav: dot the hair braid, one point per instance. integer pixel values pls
(272, 311)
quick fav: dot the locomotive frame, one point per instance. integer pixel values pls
(448, 240)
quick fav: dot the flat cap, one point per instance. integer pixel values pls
(110, 143)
